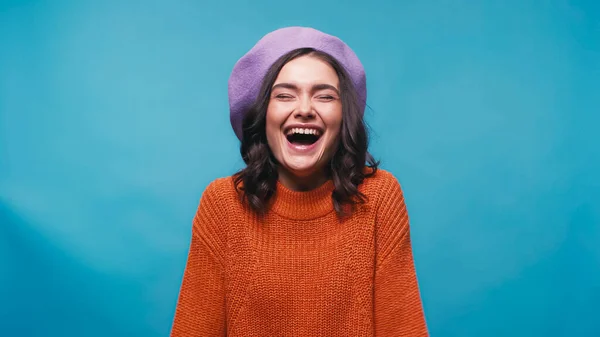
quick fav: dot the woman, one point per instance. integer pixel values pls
(306, 240)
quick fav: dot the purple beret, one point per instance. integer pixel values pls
(249, 71)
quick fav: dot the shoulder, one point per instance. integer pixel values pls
(386, 198)
(220, 189)
(391, 215)
(210, 223)
(381, 185)
(216, 199)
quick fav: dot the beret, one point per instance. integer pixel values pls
(249, 71)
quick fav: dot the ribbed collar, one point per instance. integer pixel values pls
(303, 205)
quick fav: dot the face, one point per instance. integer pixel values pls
(304, 117)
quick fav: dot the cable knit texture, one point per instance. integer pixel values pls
(300, 270)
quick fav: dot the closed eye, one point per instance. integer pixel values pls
(327, 98)
(284, 97)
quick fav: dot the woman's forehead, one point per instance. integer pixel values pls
(307, 71)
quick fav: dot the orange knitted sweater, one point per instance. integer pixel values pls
(299, 270)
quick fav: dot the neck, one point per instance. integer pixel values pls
(301, 183)
(303, 205)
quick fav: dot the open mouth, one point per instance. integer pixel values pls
(303, 136)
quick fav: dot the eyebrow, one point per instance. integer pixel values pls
(315, 87)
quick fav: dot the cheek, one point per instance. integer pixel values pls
(333, 121)
(273, 125)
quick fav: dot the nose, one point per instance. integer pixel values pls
(304, 108)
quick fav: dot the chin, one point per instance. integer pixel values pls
(301, 169)
(302, 160)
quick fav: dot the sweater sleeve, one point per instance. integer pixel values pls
(398, 307)
(200, 308)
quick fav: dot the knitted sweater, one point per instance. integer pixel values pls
(299, 270)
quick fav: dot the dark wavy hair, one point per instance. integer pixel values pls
(258, 180)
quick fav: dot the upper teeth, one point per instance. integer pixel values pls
(304, 131)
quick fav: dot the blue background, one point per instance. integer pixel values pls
(114, 118)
